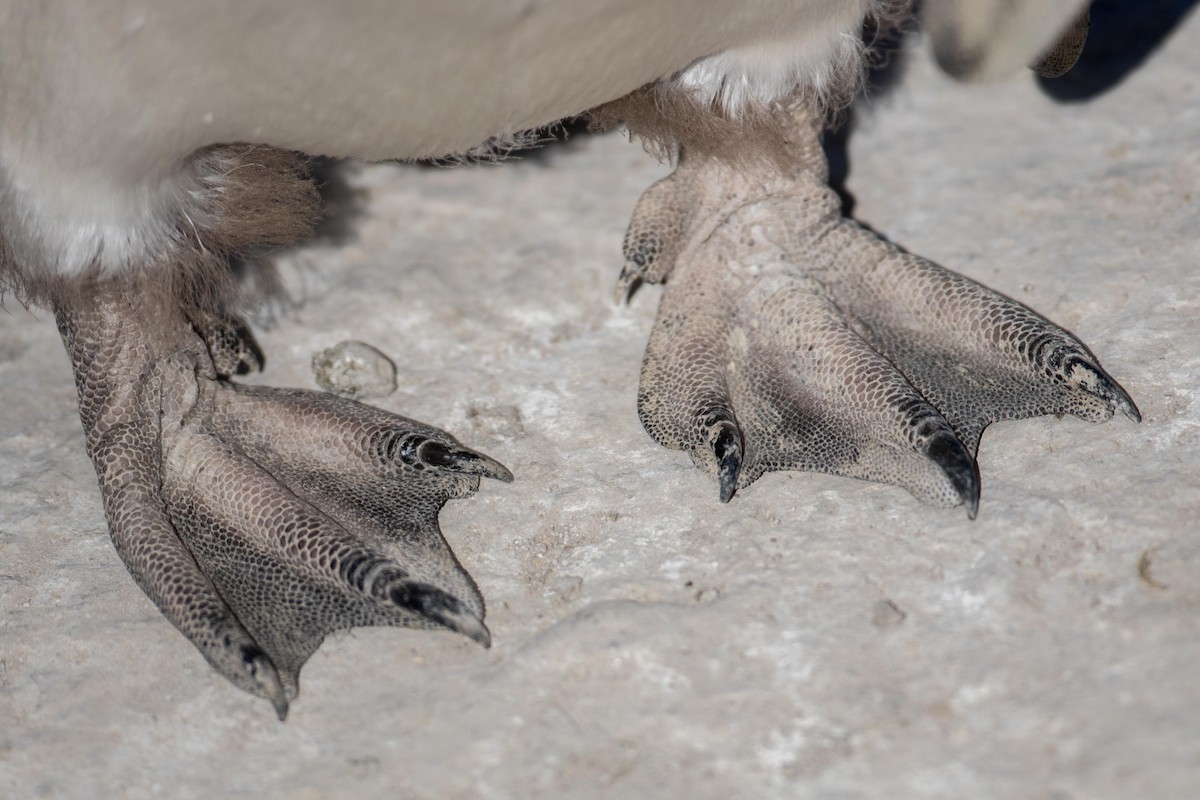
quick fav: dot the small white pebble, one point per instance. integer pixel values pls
(354, 370)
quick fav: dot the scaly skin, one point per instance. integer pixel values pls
(790, 337)
(259, 520)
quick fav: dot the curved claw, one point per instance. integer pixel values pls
(956, 462)
(461, 459)
(1101, 384)
(725, 440)
(442, 608)
(629, 280)
(266, 679)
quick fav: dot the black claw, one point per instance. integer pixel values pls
(725, 439)
(628, 283)
(1120, 397)
(281, 708)
(945, 450)
(1109, 389)
(460, 459)
(262, 672)
(442, 608)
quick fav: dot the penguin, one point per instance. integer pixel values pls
(145, 144)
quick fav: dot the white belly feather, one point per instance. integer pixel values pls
(102, 104)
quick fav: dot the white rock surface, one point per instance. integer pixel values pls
(817, 637)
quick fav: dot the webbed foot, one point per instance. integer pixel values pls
(259, 520)
(789, 337)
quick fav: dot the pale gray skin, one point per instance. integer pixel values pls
(260, 520)
(790, 337)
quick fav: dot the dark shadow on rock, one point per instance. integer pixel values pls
(889, 63)
(342, 205)
(264, 297)
(1123, 34)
